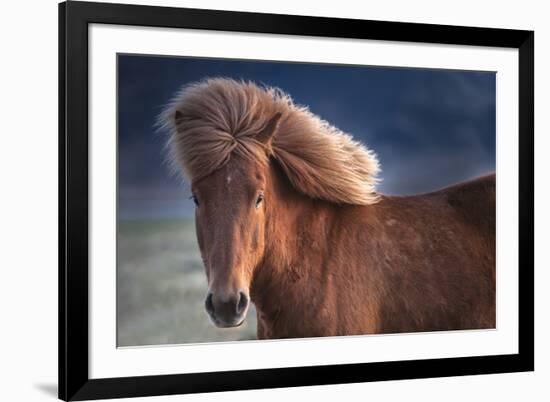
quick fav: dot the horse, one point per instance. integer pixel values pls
(288, 218)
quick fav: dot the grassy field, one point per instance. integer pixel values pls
(161, 287)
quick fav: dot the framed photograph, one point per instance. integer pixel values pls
(258, 201)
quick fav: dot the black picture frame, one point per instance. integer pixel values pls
(74, 381)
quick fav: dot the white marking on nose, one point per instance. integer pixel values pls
(228, 178)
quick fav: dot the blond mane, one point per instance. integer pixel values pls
(213, 119)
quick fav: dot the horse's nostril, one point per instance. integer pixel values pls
(242, 303)
(208, 304)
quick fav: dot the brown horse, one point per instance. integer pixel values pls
(288, 217)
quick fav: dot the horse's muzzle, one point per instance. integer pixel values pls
(227, 311)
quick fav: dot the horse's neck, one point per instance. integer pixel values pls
(296, 242)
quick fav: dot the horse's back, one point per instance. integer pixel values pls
(470, 203)
(474, 202)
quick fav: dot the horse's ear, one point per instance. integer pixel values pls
(266, 135)
(178, 117)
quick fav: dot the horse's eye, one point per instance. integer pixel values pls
(259, 200)
(195, 200)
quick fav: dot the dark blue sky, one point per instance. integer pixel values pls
(430, 128)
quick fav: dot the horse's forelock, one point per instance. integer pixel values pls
(220, 117)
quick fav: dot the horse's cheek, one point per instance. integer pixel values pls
(200, 242)
(259, 235)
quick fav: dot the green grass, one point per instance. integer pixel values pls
(161, 286)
